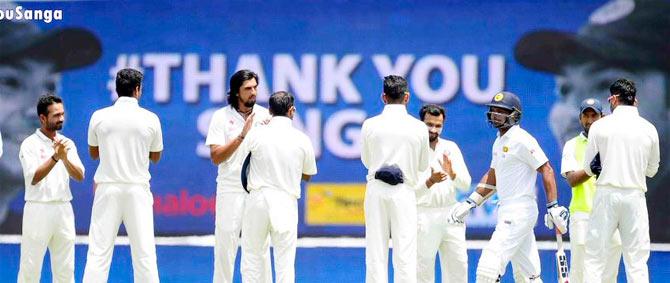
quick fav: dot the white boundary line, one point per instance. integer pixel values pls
(343, 242)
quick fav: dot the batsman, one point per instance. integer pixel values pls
(516, 160)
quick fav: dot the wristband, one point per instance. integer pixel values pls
(240, 137)
(552, 204)
(54, 159)
(486, 186)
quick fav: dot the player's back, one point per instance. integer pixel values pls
(395, 137)
(125, 134)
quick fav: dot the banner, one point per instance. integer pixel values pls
(331, 56)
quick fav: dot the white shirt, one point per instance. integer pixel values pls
(55, 186)
(225, 126)
(124, 133)
(444, 193)
(395, 137)
(516, 157)
(569, 162)
(280, 154)
(628, 146)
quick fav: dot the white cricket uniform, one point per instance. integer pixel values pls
(48, 220)
(226, 125)
(125, 134)
(629, 152)
(580, 210)
(516, 158)
(392, 138)
(433, 207)
(280, 155)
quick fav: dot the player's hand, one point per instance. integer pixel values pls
(460, 211)
(436, 176)
(557, 216)
(60, 149)
(446, 166)
(247, 125)
(595, 165)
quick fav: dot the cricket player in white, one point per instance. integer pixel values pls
(581, 202)
(395, 149)
(124, 137)
(281, 156)
(227, 131)
(517, 157)
(49, 160)
(435, 198)
(627, 147)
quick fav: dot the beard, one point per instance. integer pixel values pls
(55, 127)
(432, 137)
(249, 103)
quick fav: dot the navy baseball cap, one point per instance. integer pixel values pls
(624, 33)
(591, 103)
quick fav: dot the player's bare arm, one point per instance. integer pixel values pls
(549, 181)
(221, 153)
(485, 189)
(576, 178)
(155, 156)
(94, 152)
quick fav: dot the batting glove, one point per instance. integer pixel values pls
(557, 216)
(461, 210)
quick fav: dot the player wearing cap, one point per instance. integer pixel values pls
(517, 157)
(395, 149)
(583, 190)
(435, 198)
(125, 137)
(227, 132)
(628, 150)
(49, 160)
(623, 38)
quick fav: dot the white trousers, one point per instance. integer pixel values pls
(513, 240)
(47, 225)
(579, 222)
(228, 225)
(435, 235)
(627, 210)
(390, 210)
(274, 213)
(132, 205)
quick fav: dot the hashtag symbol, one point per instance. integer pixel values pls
(122, 61)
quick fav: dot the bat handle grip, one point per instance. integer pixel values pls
(559, 238)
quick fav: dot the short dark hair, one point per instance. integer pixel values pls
(44, 101)
(236, 82)
(280, 103)
(625, 89)
(395, 88)
(127, 80)
(433, 110)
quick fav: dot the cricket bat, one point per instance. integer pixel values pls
(561, 260)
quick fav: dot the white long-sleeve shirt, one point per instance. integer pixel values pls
(225, 126)
(628, 147)
(444, 193)
(395, 137)
(55, 186)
